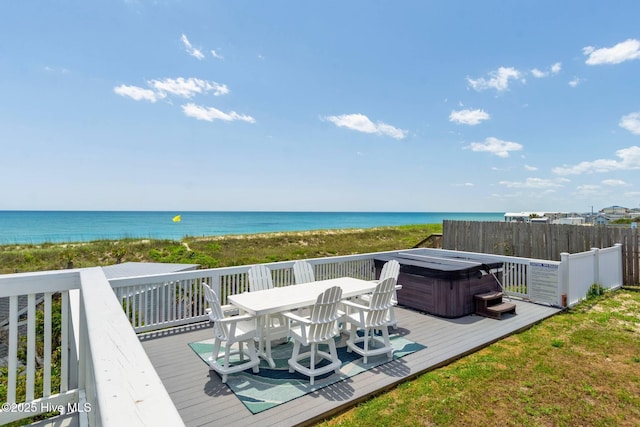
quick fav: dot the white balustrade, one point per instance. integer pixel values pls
(97, 347)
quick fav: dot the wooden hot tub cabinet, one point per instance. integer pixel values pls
(441, 286)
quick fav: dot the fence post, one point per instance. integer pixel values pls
(618, 246)
(596, 266)
(563, 277)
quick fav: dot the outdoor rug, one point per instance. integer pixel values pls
(273, 387)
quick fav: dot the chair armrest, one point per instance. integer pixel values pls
(235, 319)
(297, 318)
(354, 305)
(228, 308)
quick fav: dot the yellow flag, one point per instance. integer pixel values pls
(177, 218)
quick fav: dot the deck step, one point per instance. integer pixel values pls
(490, 304)
(503, 307)
(489, 296)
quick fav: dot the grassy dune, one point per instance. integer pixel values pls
(209, 252)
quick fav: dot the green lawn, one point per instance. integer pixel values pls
(578, 368)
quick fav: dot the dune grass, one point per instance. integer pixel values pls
(215, 251)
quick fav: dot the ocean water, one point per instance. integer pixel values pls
(83, 226)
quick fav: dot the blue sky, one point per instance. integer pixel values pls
(322, 106)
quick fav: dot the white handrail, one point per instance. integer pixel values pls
(129, 391)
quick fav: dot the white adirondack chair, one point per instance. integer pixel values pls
(320, 327)
(389, 269)
(259, 278)
(275, 326)
(370, 318)
(303, 272)
(231, 330)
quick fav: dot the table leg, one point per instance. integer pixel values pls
(264, 335)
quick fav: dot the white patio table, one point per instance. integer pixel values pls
(277, 300)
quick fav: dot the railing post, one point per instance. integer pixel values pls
(31, 347)
(618, 247)
(74, 336)
(13, 349)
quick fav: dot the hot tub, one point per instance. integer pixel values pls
(442, 286)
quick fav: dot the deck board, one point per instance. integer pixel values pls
(202, 399)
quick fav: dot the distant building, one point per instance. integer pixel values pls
(528, 217)
(603, 217)
(615, 210)
(572, 220)
(524, 216)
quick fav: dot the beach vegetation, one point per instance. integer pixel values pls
(213, 251)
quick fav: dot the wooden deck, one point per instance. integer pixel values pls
(202, 399)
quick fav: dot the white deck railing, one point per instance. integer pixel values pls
(103, 372)
(165, 300)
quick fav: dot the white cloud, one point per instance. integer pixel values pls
(216, 54)
(361, 123)
(187, 88)
(210, 114)
(537, 183)
(196, 53)
(613, 182)
(468, 117)
(589, 190)
(624, 51)
(137, 93)
(539, 74)
(495, 146)
(530, 168)
(575, 81)
(59, 70)
(629, 160)
(631, 122)
(554, 69)
(498, 80)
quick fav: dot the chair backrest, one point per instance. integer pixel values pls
(324, 315)
(219, 330)
(260, 278)
(380, 302)
(303, 272)
(390, 269)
